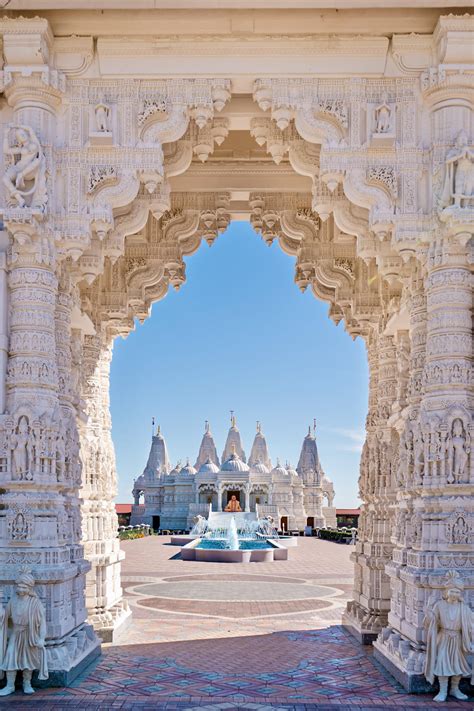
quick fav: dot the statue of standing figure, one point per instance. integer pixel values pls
(102, 113)
(458, 188)
(449, 625)
(19, 442)
(383, 116)
(458, 451)
(22, 636)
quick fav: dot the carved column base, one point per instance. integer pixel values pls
(69, 656)
(400, 657)
(363, 624)
(108, 611)
(109, 623)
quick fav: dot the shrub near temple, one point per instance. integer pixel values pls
(129, 533)
(339, 535)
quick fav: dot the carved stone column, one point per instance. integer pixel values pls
(39, 465)
(39, 472)
(435, 527)
(107, 610)
(367, 612)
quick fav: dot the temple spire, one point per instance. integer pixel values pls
(309, 457)
(207, 450)
(158, 460)
(259, 452)
(233, 438)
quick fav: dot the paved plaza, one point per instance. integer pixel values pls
(224, 636)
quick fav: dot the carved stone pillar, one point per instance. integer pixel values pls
(39, 464)
(39, 472)
(435, 526)
(107, 610)
(367, 612)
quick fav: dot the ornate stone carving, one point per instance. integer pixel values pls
(460, 529)
(25, 176)
(100, 175)
(20, 523)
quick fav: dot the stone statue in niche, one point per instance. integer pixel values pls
(458, 188)
(383, 117)
(25, 177)
(100, 133)
(458, 451)
(102, 115)
(22, 636)
(449, 624)
(21, 453)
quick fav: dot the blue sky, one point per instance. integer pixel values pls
(239, 335)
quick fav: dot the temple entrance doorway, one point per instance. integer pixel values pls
(310, 521)
(155, 523)
(284, 523)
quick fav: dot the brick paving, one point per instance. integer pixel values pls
(219, 637)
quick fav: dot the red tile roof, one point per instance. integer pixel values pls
(347, 512)
(123, 508)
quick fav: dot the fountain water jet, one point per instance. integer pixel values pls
(232, 539)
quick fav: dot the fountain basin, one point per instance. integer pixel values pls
(183, 539)
(256, 552)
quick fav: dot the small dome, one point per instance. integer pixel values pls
(291, 471)
(176, 469)
(187, 470)
(139, 481)
(208, 467)
(260, 468)
(279, 470)
(234, 464)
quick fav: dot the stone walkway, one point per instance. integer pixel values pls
(219, 636)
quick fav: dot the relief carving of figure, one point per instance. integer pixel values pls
(419, 458)
(458, 451)
(383, 116)
(458, 188)
(449, 624)
(22, 636)
(26, 175)
(19, 443)
(102, 113)
(460, 531)
(19, 527)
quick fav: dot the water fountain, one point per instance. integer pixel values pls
(233, 537)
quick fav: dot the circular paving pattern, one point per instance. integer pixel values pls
(234, 590)
(232, 609)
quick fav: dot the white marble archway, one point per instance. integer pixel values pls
(364, 178)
